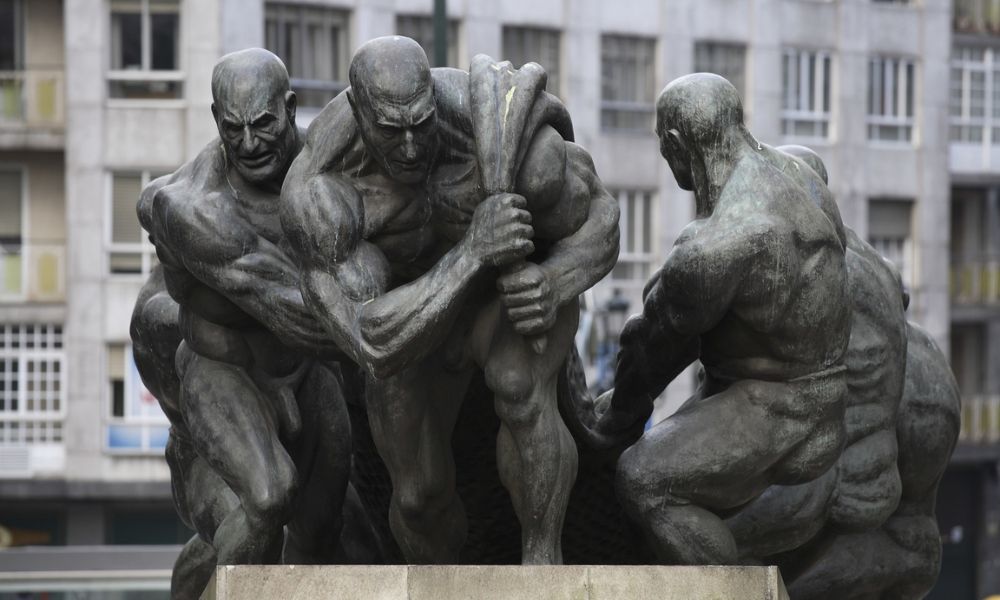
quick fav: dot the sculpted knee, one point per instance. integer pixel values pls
(512, 388)
(271, 501)
(421, 502)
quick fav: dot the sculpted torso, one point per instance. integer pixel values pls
(197, 220)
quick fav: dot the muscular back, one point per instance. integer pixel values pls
(762, 280)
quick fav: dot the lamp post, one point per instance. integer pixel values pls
(613, 315)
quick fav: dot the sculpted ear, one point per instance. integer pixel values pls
(355, 106)
(215, 113)
(291, 102)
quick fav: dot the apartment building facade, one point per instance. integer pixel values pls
(99, 96)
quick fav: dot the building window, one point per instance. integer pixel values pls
(891, 84)
(889, 226)
(636, 257)
(312, 41)
(534, 44)
(975, 254)
(974, 97)
(11, 233)
(977, 16)
(129, 250)
(136, 424)
(145, 50)
(420, 28)
(805, 99)
(32, 384)
(728, 60)
(627, 82)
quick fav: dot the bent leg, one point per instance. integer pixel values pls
(715, 454)
(412, 415)
(234, 429)
(192, 570)
(323, 460)
(536, 454)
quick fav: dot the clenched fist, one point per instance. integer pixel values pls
(525, 292)
(500, 232)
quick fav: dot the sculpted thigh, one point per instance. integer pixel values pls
(233, 427)
(717, 452)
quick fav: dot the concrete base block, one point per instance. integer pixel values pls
(399, 582)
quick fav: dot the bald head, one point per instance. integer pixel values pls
(253, 71)
(255, 113)
(699, 106)
(391, 68)
(392, 95)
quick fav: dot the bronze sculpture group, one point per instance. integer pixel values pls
(331, 304)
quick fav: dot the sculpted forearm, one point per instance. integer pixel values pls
(385, 331)
(652, 354)
(407, 323)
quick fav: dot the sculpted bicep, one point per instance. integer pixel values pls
(323, 218)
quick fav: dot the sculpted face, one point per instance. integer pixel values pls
(256, 122)
(672, 148)
(392, 96)
(401, 133)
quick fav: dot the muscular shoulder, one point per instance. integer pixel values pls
(332, 140)
(195, 215)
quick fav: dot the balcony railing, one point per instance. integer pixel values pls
(976, 282)
(32, 98)
(980, 419)
(32, 272)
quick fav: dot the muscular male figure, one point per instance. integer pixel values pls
(756, 288)
(386, 211)
(260, 412)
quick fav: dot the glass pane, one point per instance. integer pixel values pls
(126, 263)
(125, 189)
(164, 41)
(10, 35)
(126, 37)
(10, 208)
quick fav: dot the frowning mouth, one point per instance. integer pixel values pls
(257, 160)
(404, 165)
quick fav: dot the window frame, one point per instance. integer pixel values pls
(874, 122)
(146, 72)
(144, 247)
(555, 83)
(794, 116)
(54, 351)
(145, 424)
(643, 106)
(282, 13)
(648, 259)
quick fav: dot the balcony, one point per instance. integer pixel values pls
(976, 282)
(32, 112)
(980, 419)
(32, 273)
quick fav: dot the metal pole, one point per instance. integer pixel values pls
(440, 33)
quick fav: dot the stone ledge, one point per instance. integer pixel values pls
(400, 582)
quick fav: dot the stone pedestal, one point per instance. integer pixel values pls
(397, 582)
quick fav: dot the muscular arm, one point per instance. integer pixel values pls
(579, 216)
(206, 237)
(652, 353)
(346, 279)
